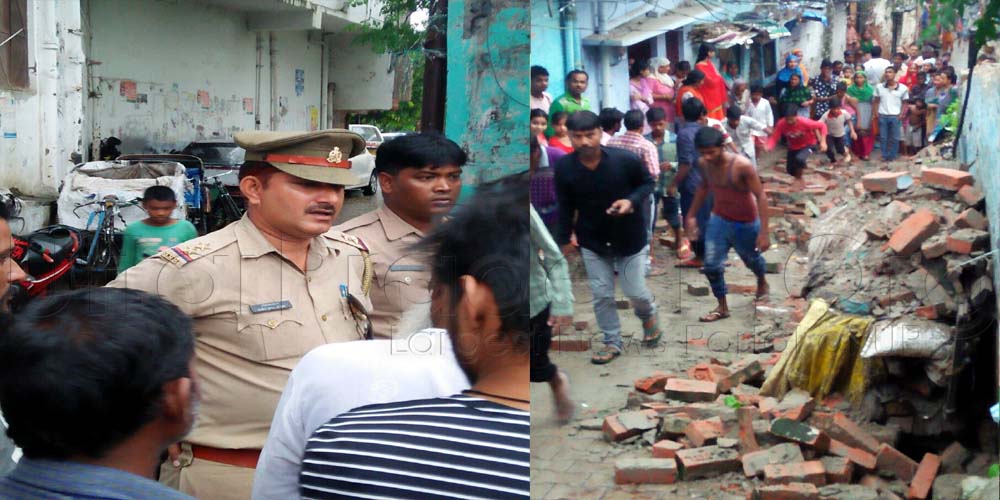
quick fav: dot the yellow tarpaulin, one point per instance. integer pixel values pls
(822, 356)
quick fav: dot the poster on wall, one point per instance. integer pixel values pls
(203, 99)
(300, 82)
(248, 105)
(313, 118)
(127, 89)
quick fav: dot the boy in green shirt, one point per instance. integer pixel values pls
(158, 231)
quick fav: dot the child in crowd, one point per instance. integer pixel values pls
(838, 127)
(560, 134)
(539, 122)
(759, 109)
(915, 118)
(157, 232)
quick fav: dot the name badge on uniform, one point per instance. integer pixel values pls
(270, 307)
(406, 267)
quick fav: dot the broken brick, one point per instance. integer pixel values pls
(707, 461)
(892, 460)
(626, 424)
(654, 383)
(934, 247)
(742, 371)
(886, 182)
(971, 196)
(570, 343)
(755, 461)
(666, 448)
(946, 178)
(748, 442)
(972, 219)
(704, 432)
(913, 231)
(580, 325)
(920, 486)
(690, 390)
(796, 405)
(742, 289)
(801, 433)
(954, 457)
(792, 491)
(698, 291)
(673, 425)
(844, 429)
(838, 469)
(896, 298)
(645, 471)
(966, 241)
(811, 472)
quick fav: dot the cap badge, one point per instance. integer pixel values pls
(335, 155)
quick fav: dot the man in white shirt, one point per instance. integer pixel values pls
(335, 378)
(540, 99)
(740, 127)
(875, 67)
(759, 109)
(888, 102)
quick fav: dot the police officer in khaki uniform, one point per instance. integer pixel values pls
(420, 176)
(262, 291)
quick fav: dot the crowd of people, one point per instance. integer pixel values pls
(281, 357)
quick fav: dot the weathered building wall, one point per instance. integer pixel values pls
(364, 80)
(486, 108)
(547, 44)
(837, 30)
(808, 36)
(979, 144)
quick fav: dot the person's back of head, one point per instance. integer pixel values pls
(480, 275)
(734, 113)
(684, 66)
(610, 119)
(634, 120)
(83, 372)
(695, 77)
(876, 52)
(693, 109)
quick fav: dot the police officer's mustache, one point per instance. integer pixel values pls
(323, 209)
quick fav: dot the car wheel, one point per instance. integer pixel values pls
(370, 189)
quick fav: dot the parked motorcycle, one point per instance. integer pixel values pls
(46, 255)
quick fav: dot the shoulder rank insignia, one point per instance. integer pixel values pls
(185, 252)
(354, 241)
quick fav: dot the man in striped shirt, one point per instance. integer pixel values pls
(474, 444)
(632, 140)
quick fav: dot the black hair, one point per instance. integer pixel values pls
(569, 75)
(703, 51)
(488, 239)
(536, 112)
(825, 63)
(838, 63)
(952, 77)
(634, 119)
(696, 75)
(5, 214)
(638, 68)
(876, 51)
(583, 120)
(82, 371)
(899, 55)
(734, 112)
(558, 116)
(848, 53)
(610, 118)
(790, 109)
(426, 149)
(708, 137)
(538, 71)
(693, 109)
(919, 100)
(683, 66)
(836, 103)
(841, 86)
(756, 88)
(655, 115)
(159, 193)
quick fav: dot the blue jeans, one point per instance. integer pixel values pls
(672, 211)
(723, 234)
(687, 197)
(888, 135)
(632, 276)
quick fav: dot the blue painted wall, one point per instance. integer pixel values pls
(979, 143)
(486, 108)
(547, 43)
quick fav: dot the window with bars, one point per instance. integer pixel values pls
(14, 48)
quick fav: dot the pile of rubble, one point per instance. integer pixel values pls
(712, 423)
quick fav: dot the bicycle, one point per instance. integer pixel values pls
(221, 207)
(103, 250)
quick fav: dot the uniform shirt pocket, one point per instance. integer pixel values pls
(273, 336)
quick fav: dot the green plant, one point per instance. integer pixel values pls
(390, 31)
(947, 13)
(406, 116)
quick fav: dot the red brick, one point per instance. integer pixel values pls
(710, 373)
(966, 241)
(645, 471)
(704, 432)
(755, 461)
(811, 472)
(690, 390)
(666, 448)
(800, 433)
(707, 461)
(654, 383)
(563, 343)
(970, 195)
(743, 371)
(674, 425)
(896, 298)
(972, 218)
(954, 457)
(794, 491)
(934, 247)
(744, 289)
(947, 178)
(748, 441)
(614, 430)
(795, 405)
(844, 429)
(890, 459)
(916, 228)
(838, 469)
(859, 457)
(886, 182)
(922, 481)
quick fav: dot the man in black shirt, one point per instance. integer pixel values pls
(604, 190)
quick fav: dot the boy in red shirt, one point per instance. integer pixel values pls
(800, 134)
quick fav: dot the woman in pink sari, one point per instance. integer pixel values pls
(640, 91)
(663, 86)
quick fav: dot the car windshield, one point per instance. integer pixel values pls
(367, 133)
(217, 154)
